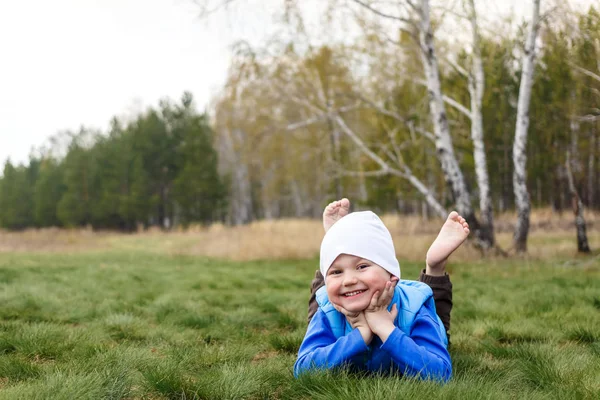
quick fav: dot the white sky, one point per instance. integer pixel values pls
(67, 63)
(64, 63)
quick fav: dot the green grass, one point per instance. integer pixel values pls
(144, 326)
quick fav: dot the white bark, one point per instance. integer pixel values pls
(476, 89)
(522, 200)
(386, 169)
(240, 208)
(443, 140)
(591, 169)
(580, 226)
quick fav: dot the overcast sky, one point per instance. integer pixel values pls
(70, 62)
(67, 63)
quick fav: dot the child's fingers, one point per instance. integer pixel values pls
(388, 294)
(384, 298)
(375, 299)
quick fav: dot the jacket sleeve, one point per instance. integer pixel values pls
(321, 350)
(422, 353)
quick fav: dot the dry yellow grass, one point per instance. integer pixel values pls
(552, 236)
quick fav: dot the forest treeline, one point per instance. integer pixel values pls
(297, 126)
(158, 169)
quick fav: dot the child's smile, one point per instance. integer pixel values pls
(354, 294)
(352, 281)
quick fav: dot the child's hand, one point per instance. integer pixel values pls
(357, 320)
(380, 320)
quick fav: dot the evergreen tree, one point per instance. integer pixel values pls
(16, 196)
(75, 206)
(48, 191)
(198, 190)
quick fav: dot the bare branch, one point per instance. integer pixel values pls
(286, 94)
(380, 172)
(458, 68)
(412, 5)
(382, 14)
(318, 118)
(588, 118)
(458, 106)
(206, 11)
(386, 169)
(396, 116)
(450, 101)
(422, 131)
(388, 152)
(302, 124)
(360, 143)
(585, 71)
(545, 16)
(397, 151)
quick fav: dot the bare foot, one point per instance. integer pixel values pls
(453, 233)
(334, 212)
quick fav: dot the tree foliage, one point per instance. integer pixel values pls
(297, 125)
(157, 169)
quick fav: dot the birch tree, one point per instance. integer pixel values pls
(476, 90)
(416, 20)
(522, 200)
(576, 203)
(417, 23)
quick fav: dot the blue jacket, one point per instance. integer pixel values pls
(417, 347)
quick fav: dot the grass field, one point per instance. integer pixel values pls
(132, 322)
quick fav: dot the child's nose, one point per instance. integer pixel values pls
(350, 279)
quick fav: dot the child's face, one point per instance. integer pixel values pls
(351, 282)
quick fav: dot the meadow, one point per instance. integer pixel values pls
(190, 315)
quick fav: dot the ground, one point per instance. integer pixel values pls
(131, 323)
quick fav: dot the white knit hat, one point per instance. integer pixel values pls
(361, 234)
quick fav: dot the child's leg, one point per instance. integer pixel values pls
(442, 295)
(317, 283)
(335, 211)
(453, 233)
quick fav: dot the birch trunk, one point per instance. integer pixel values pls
(405, 173)
(476, 89)
(522, 200)
(334, 137)
(240, 209)
(591, 168)
(577, 204)
(443, 140)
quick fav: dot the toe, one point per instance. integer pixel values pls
(453, 215)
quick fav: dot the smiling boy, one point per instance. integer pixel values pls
(368, 319)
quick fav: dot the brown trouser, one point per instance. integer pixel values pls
(440, 285)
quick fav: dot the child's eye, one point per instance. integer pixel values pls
(334, 272)
(363, 266)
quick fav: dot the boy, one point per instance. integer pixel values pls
(367, 318)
